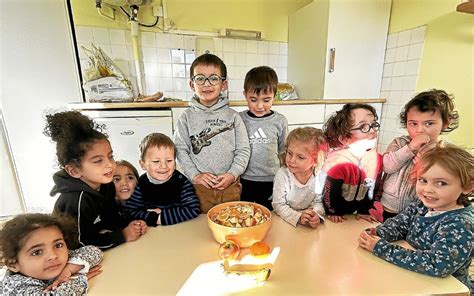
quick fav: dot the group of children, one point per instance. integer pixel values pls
(305, 176)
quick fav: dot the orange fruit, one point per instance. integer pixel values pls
(260, 249)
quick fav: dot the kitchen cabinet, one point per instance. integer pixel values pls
(336, 48)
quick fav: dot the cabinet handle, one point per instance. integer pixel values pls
(332, 59)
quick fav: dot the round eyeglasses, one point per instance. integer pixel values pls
(214, 79)
(365, 128)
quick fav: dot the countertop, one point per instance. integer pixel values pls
(161, 105)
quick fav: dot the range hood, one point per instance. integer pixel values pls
(467, 7)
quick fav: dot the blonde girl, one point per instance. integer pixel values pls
(298, 185)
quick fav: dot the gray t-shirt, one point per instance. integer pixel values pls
(267, 140)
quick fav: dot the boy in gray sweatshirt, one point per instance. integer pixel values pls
(267, 132)
(211, 139)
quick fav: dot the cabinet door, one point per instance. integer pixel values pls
(357, 30)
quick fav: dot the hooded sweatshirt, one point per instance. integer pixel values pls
(96, 212)
(211, 139)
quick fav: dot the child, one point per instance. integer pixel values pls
(425, 117)
(163, 195)
(213, 147)
(267, 131)
(298, 185)
(440, 226)
(35, 249)
(125, 180)
(85, 181)
(354, 167)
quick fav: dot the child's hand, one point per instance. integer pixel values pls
(367, 241)
(94, 271)
(132, 232)
(208, 180)
(311, 218)
(223, 181)
(369, 218)
(418, 141)
(371, 231)
(142, 224)
(336, 219)
(69, 270)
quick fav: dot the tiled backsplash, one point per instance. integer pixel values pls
(401, 68)
(166, 58)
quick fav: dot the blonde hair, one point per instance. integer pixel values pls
(156, 140)
(308, 135)
(455, 160)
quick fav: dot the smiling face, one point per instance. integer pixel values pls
(439, 189)
(299, 160)
(208, 94)
(427, 123)
(259, 104)
(125, 182)
(97, 165)
(43, 254)
(159, 162)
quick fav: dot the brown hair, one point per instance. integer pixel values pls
(16, 231)
(261, 79)
(156, 140)
(339, 125)
(128, 165)
(455, 160)
(430, 101)
(208, 59)
(309, 135)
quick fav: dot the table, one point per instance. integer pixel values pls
(321, 261)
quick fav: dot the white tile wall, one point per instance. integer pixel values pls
(166, 58)
(400, 74)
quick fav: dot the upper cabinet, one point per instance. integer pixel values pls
(336, 48)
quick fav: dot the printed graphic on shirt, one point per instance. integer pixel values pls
(97, 220)
(259, 137)
(202, 139)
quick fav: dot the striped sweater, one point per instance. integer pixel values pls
(176, 199)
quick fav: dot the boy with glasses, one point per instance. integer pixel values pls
(354, 167)
(212, 142)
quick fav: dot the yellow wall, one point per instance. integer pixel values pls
(448, 55)
(268, 16)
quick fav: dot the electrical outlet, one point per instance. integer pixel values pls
(158, 11)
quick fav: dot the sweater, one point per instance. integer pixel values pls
(211, 139)
(18, 284)
(176, 199)
(352, 184)
(398, 162)
(267, 140)
(290, 197)
(444, 244)
(95, 212)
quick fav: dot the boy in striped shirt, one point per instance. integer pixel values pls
(163, 196)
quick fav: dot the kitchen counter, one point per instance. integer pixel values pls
(159, 105)
(183, 259)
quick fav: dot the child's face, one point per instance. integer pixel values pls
(208, 94)
(298, 158)
(125, 182)
(439, 189)
(97, 165)
(360, 117)
(43, 255)
(427, 123)
(159, 162)
(261, 104)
